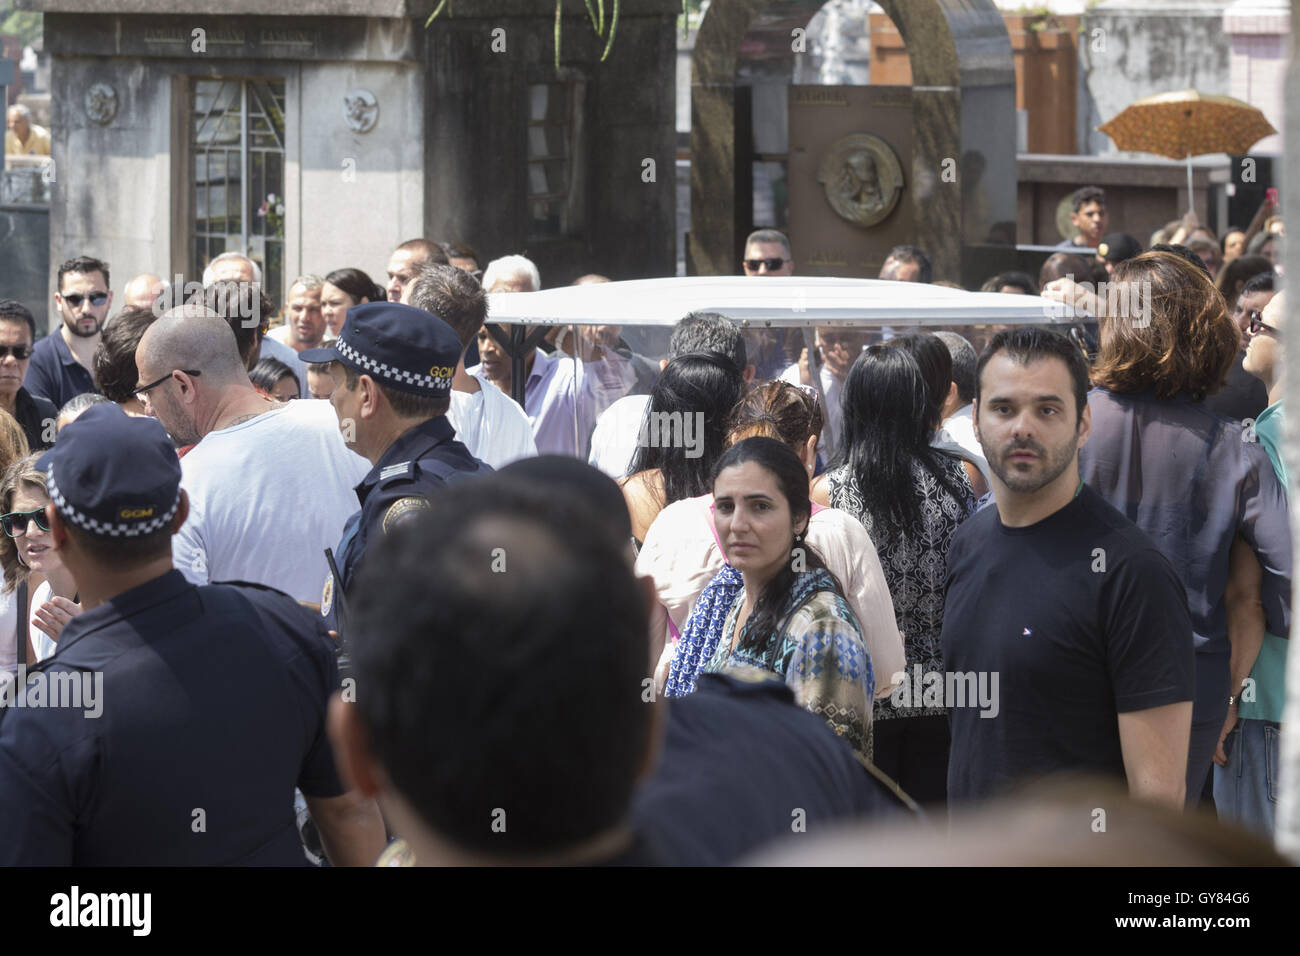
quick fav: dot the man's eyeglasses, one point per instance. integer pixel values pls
(1257, 323)
(75, 299)
(15, 523)
(140, 391)
(752, 265)
(19, 352)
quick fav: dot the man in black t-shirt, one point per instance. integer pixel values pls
(1059, 601)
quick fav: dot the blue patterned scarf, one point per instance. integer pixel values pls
(707, 619)
(703, 630)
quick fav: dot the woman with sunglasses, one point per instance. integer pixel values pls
(46, 593)
(13, 445)
(343, 289)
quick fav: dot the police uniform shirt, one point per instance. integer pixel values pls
(739, 756)
(211, 710)
(415, 466)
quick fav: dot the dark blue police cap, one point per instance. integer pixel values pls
(397, 345)
(113, 475)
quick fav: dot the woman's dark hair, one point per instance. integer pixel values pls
(268, 372)
(1017, 280)
(784, 465)
(356, 284)
(114, 360)
(1240, 270)
(885, 434)
(935, 363)
(684, 429)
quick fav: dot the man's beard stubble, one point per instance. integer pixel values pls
(1053, 464)
(74, 330)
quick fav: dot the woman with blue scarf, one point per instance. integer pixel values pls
(789, 615)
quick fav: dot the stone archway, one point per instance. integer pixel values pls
(963, 110)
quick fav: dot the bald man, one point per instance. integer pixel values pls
(231, 265)
(142, 291)
(405, 264)
(22, 136)
(252, 517)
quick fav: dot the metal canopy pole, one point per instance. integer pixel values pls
(6, 80)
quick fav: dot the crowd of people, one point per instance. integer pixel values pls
(325, 591)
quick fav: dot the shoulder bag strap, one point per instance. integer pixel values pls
(22, 623)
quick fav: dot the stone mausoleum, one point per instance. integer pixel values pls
(321, 133)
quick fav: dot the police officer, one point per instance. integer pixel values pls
(174, 722)
(392, 366)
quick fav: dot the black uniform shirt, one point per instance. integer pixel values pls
(744, 765)
(415, 466)
(209, 710)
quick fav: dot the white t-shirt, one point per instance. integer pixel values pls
(614, 442)
(42, 644)
(491, 425)
(267, 497)
(8, 633)
(957, 435)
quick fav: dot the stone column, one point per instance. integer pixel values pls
(1288, 806)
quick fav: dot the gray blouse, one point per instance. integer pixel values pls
(1192, 480)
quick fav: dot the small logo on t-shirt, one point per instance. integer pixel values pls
(1027, 632)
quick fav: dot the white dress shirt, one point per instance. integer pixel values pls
(491, 425)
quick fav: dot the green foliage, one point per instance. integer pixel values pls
(595, 11)
(24, 24)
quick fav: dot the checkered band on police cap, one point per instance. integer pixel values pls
(397, 375)
(133, 528)
(112, 475)
(397, 345)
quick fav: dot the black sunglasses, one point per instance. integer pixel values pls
(75, 299)
(1257, 323)
(15, 523)
(772, 264)
(19, 352)
(139, 392)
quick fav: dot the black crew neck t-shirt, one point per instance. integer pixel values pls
(1080, 618)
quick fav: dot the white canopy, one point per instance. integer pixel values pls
(772, 301)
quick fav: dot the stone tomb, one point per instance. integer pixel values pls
(321, 134)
